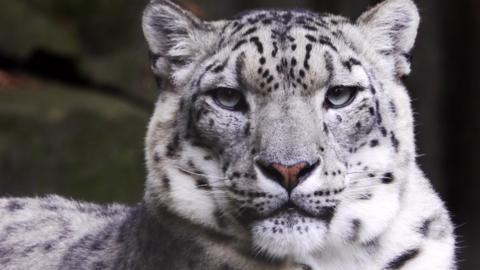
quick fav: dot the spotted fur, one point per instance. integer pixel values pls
(210, 202)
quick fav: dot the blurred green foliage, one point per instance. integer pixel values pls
(54, 140)
(58, 139)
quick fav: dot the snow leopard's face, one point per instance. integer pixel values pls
(281, 128)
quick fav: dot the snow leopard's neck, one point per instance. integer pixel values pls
(152, 238)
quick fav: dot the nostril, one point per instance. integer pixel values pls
(287, 176)
(270, 172)
(307, 170)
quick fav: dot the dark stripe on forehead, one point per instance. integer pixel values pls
(350, 63)
(329, 65)
(239, 65)
(239, 44)
(207, 69)
(249, 31)
(308, 48)
(324, 40)
(236, 28)
(311, 38)
(257, 43)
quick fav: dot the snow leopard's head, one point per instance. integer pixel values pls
(285, 129)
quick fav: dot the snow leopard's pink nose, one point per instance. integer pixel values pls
(288, 176)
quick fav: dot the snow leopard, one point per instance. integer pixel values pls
(281, 139)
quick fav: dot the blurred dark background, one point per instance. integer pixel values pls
(76, 94)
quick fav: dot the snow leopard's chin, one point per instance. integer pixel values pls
(289, 233)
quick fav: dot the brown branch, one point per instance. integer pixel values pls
(52, 66)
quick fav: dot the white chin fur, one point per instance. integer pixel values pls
(297, 240)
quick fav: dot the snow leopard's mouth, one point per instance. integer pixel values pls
(290, 209)
(290, 212)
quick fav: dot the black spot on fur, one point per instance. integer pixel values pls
(402, 259)
(373, 143)
(14, 205)
(379, 117)
(324, 40)
(365, 196)
(394, 140)
(371, 246)
(166, 182)
(393, 108)
(266, 73)
(303, 266)
(225, 166)
(311, 38)
(239, 44)
(246, 130)
(383, 131)
(156, 157)
(220, 219)
(326, 213)
(249, 31)
(325, 128)
(202, 183)
(350, 63)
(173, 146)
(387, 178)
(355, 231)
(275, 49)
(48, 246)
(308, 47)
(219, 68)
(293, 61)
(257, 43)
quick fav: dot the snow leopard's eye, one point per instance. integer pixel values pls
(229, 99)
(340, 96)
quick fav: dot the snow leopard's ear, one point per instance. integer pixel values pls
(391, 28)
(174, 36)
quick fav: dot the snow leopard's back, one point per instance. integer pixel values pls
(40, 233)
